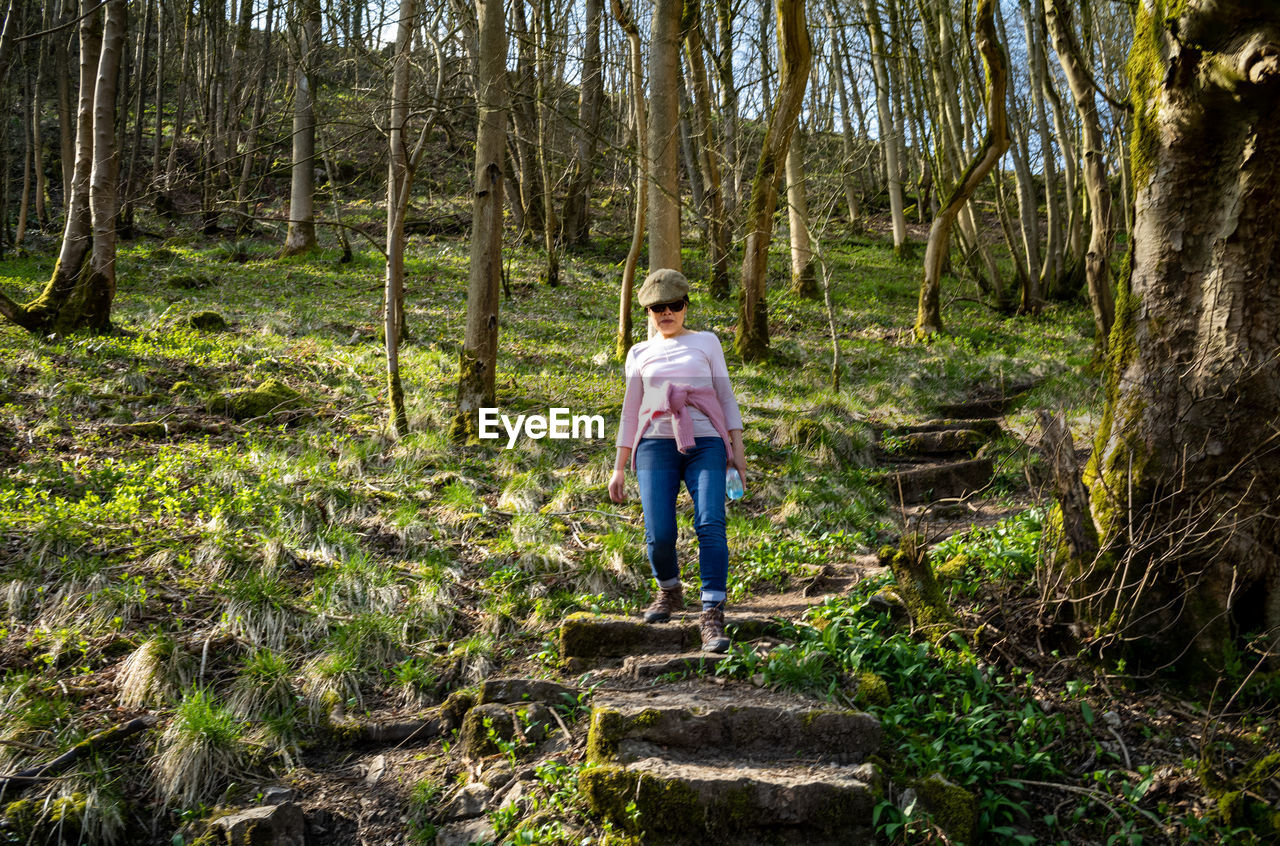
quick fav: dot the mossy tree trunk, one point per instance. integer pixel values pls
(80, 291)
(1187, 459)
(794, 59)
(1097, 260)
(479, 355)
(635, 61)
(399, 180)
(929, 313)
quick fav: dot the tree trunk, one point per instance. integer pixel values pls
(794, 60)
(301, 237)
(664, 136)
(577, 218)
(803, 281)
(544, 87)
(399, 181)
(712, 153)
(1098, 258)
(93, 296)
(888, 131)
(636, 61)
(732, 174)
(479, 357)
(929, 313)
(56, 308)
(1187, 459)
(846, 125)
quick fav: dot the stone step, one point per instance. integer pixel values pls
(986, 425)
(943, 442)
(716, 800)
(988, 402)
(695, 715)
(588, 640)
(939, 481)
(652, 666)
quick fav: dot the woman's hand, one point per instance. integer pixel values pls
(738, 456)
(618, 486)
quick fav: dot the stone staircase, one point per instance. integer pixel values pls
(942, 459)
(697, 761)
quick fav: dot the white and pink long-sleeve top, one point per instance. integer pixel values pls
(677, 387)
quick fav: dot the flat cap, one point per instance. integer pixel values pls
(663, 286)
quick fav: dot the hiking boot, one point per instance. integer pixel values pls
(669, 600)
(713, 636)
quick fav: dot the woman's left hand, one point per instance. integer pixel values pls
(739, 461)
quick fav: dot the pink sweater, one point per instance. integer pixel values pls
(678, 387)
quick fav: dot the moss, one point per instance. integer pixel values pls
(607, 728)
(953, 569)
(872, 690)
(207, 321)
(34, 820)
(952, 807)
(663, 804)
(918, 588)
(244, 403)
(184, 387)
(455, 707)
(580, 636)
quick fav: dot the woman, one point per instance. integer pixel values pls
(680, 421)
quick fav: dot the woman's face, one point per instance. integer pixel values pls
(668, 321)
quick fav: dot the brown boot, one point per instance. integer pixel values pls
(713, 636)
(668, 601)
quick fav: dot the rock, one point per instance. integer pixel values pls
(266, 825)
(244, 403)
(700, 718)
(278, 795)
(942, 442)
(517, 793)
(513, 691)
(871, 690)
(685, 802)
(376, 768)
(1112, 719)
(590, 638)
(478, 739)
(497, 776)
(471, 800)
(952, 807)
(455, 707)
(942, 481)
(207, 321)
(536, 721)
(465, 834)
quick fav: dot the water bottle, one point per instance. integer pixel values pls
(733, 484)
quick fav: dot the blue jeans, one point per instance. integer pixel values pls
(659, 469)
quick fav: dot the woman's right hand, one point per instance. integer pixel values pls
(618, 486)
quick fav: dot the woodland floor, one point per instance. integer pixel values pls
(245, 580)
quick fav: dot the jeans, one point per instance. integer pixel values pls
(659, 469)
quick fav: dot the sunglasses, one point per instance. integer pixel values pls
(662, 308)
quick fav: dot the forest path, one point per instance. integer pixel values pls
(700, 758)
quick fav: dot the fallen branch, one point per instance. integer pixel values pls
(31, 776)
